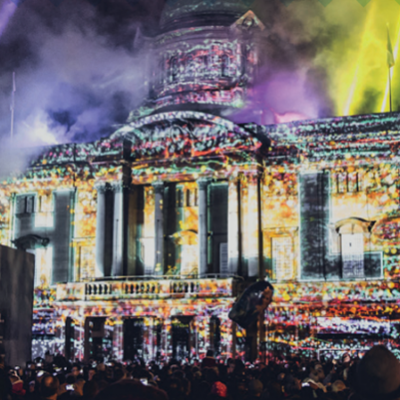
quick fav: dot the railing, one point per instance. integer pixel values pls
(146, 289)
(163, 277)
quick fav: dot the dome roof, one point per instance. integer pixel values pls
(176, 10)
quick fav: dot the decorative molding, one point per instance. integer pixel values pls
(185, 134)
(101, 187)
(364, 224)
(30, 242)
(117, 187)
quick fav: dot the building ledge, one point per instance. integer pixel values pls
(152, 288)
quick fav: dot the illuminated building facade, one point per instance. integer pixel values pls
(144, 239)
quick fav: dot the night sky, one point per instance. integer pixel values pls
(79, 72)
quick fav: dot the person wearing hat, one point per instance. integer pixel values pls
(378, 375)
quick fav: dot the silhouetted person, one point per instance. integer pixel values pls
(209, 360)
(90, 390)
(378, 375)
(131, 390)
(49, 387)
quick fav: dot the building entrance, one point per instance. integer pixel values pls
(133, 338)
(183, 335)
(69, 338)
(215, 335)
(98, 339)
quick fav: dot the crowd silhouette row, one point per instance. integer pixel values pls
(375, 376)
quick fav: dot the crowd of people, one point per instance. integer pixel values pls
(375, 376)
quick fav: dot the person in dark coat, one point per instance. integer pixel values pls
(209, 361)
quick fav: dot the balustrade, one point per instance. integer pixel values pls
(162, 288)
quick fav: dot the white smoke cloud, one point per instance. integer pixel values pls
(75, 78)
(75, 82)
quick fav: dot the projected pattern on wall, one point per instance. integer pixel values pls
(144, 239)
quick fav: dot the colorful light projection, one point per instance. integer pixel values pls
(307, 317)
(332, 327)
(84, 232)
(153, 313)
(194, 68)
(361, 170)
(185, 238)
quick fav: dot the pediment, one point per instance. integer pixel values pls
(249, 21)
(185, 134)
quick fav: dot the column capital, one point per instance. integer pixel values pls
(203, 183)
(117, 186)
(101, 187)
(158, 186)
(251, 177)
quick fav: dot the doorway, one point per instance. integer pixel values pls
(183, 336)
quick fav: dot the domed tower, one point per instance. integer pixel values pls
(178, 14)
(205, 56)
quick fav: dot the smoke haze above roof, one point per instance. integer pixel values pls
(79, 73)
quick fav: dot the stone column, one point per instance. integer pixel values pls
(253, 230)
(159, 227)
(234, 252)
(203, 225)
(118, 339)
(100, 229)
(118, 231)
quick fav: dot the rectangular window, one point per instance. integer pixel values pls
(353, 255)
(20, 205)
(43, 266)
(86, 263)
(223, 258)
(30, 204)
(179, 197)
(204, 62)
(282, 255)
(148, 255)
(189, 259)
(174, 69)
(341, 182)
(25, 204)
(44, 211)
(188, 198)
(225, 66)
(353, 182)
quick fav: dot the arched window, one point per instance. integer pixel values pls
(353, 233)
(225, 66)
(204, 63)
(173, 69)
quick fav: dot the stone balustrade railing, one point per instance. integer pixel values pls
(145, 289)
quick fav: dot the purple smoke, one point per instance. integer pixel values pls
(7, 10)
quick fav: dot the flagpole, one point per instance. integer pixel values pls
(390, 90)
(12, 106)
(390, 62)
